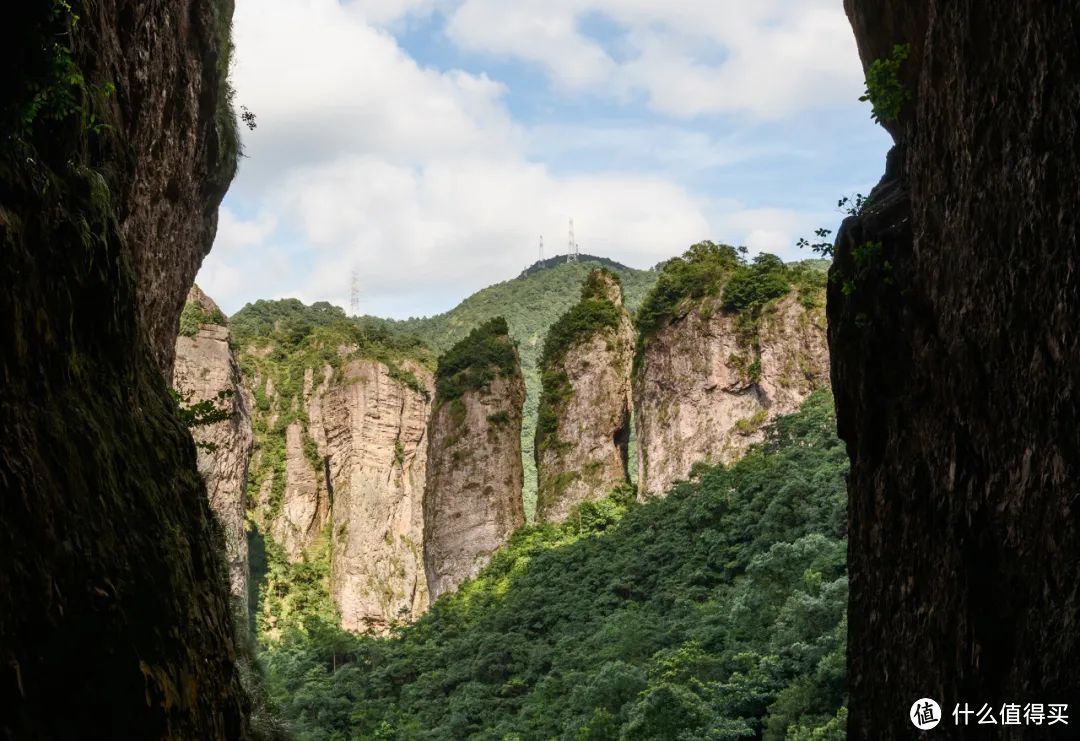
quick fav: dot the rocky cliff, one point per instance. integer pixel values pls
(206, 371)
(725, 348)
(954, 364)
(118, 145)
(341, 428)
(584, 415)
(472, 497)
(374, 429)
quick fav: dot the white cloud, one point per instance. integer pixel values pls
(775, 56)
(421, 179)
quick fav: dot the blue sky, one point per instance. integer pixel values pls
(427, 144)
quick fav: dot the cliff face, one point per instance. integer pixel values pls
(584, 427)
(375, 432)
(206, 370)
(472, 497)
(954, 366)
(360, 424)
(703, 390)
(114, 609)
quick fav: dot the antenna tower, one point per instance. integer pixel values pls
(571, 246)
(354, 293)
(541, 248)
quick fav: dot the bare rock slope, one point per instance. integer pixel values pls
(472, 497)
(584, 416)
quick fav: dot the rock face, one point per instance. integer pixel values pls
(114, 605)
(472, 498)
(954, 366)
(206, 370)
(584, 428)
(363, 429)
(703, 392)
(375, 432)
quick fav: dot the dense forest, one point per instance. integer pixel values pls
(717, 612)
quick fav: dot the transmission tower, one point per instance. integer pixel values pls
(571, 245)
(354, 293)
(541, 248)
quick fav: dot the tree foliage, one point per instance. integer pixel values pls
(717, 612)
(486, 353)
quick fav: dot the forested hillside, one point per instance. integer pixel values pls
(530, 303)
(715, 613)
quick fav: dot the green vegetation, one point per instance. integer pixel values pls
(530, 304)
(710, 272)
(592, 314)
(701, 271)
(195, 315)
(202, 413)
(715, 613)
(884, 90)
(486, 353)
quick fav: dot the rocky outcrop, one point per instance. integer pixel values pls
(374, 433)
(206, 371)
(704, 388)
(114, 605)
(472, 497)
(584, 417)
(954, 367)
(343, 452)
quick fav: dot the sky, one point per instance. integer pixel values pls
(427, 145)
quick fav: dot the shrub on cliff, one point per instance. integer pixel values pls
(473, 363)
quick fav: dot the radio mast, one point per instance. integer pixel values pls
(541, 248)
(571, 246)
(354, 293)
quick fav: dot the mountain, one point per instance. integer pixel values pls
(530, 303)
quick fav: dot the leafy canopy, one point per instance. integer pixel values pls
(486, 353)
(717, 612)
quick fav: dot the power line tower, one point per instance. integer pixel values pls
(354, 293)
(541, 248)
(571, 246)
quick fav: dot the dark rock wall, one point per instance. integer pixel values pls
(114, 611)
(955, 369)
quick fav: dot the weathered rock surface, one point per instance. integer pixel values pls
(376, 441)
(472, 497)
(581, 441)
(114, 605)
(954, 366)
(206, 370)
(366, 430)
(699, 395)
